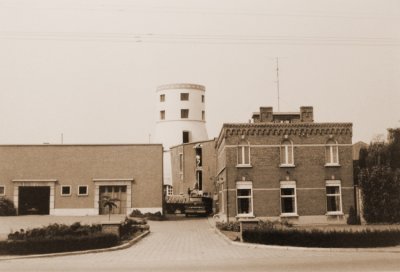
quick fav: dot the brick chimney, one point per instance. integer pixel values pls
(306, 114)
(266, 114)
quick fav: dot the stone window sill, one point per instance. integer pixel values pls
(244, 166)
(287, 165)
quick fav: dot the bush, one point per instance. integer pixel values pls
(353, 218)
(231, 226)
(157, 216)
(7, 207)
(58, 243)
(318, 238)
(55, 230)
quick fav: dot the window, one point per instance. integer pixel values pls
(65, 190)
(202, 98)
(2, 190)
(162, 97)
(287, 158)
(83, 190)
(181, 162)
(162, 115)
(288, 198)
(333, 197)
(184, 96)
(244, 197)
(203, 115)
(185, 137)
(199, 180)
(331, 153)
(169, 190)
(243, 155)
(184, 113)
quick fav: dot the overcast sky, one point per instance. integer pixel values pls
(89, 69)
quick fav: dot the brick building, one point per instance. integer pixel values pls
(73, 179)
(284, 165)
(194, 167)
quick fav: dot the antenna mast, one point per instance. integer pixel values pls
(277, 79)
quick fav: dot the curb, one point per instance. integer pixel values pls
(119, 247)
(251, 245)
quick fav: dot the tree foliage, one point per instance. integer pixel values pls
(379, 179)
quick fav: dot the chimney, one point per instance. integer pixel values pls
(306, 114)
(266, 114)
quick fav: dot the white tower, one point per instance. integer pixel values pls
(180, 118)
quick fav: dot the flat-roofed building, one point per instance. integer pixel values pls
(74, 179)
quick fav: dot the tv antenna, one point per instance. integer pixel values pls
(277, 80)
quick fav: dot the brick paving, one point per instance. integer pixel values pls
(193, 245)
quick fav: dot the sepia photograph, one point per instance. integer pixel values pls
(188, 135)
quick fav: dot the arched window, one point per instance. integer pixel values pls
(331, 153)
(243, 153)
(287, 158)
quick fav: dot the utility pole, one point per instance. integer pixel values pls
(277, 79)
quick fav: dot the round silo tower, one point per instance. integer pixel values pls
(180, 118)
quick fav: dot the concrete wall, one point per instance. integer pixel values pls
(138, 166)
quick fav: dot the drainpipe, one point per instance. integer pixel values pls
(227, 195)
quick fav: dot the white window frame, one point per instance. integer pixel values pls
(330, 150)
(334, 183)
(244, 185)
(87, 190)
(169, 190)
(4, 190)
(288, 185)
(286, 144)
(241, 150)
(70, 190)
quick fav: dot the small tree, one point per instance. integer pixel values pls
(109, 203)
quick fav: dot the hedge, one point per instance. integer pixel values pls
(58, 244)
(319, 238)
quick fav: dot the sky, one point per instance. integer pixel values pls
(89, 69)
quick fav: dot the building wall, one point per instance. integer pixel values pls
(89, 165)
(309, 173)
(182, 180)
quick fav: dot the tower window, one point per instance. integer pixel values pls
(203, 115)
(162, 97)
(162, 115)
(184, 96)
(202, 98)
(185, 137)
(185, 113)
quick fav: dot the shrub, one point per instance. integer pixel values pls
(157, 216)
(7, 207)
(128, 228)
(353, 218)
(58, 243)
(318, 238)
(229, 226)
(55, 230)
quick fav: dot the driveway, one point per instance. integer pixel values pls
(193, 245)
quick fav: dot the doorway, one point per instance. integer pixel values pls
(114, 192)
(33, 200)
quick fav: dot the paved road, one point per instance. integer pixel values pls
(192, 245)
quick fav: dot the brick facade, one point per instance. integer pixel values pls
(310, 173)
(184, 177)
(135, 168)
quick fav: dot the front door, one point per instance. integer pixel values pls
(118, 193)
